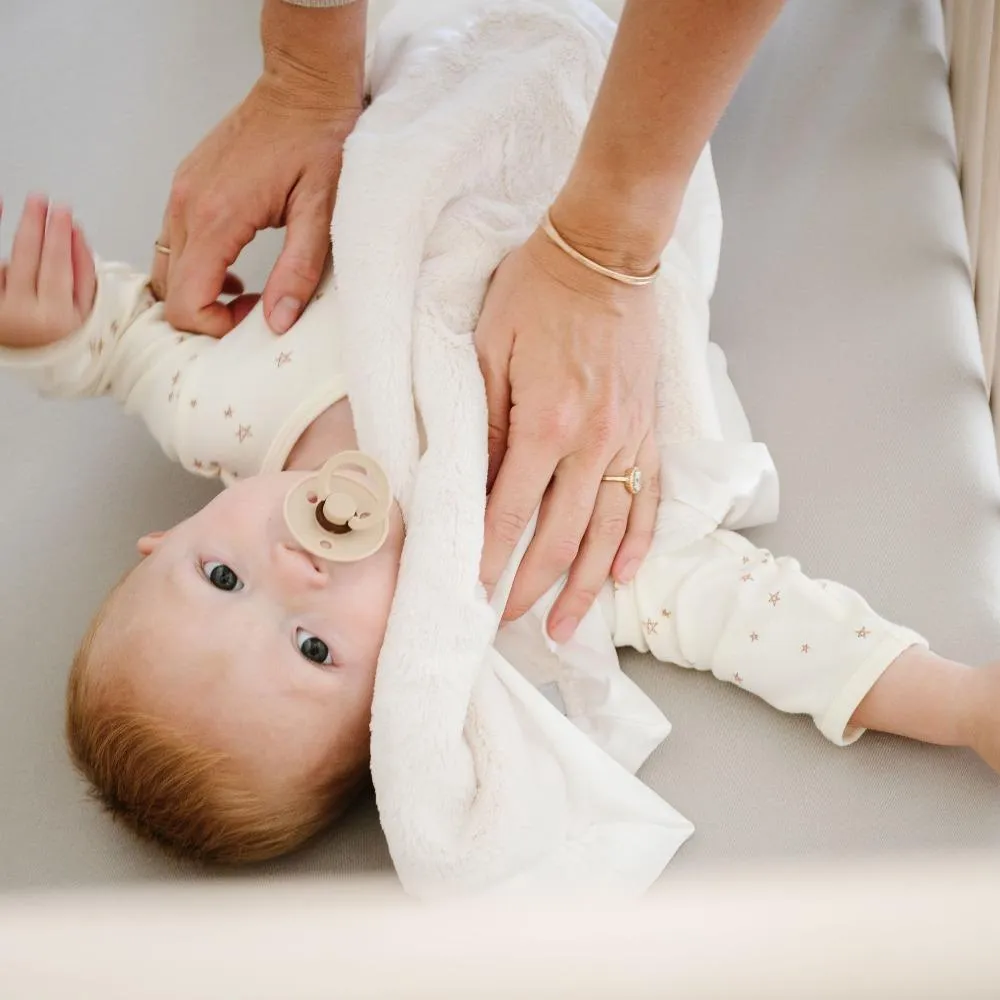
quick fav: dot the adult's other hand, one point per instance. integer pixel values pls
(273, 161)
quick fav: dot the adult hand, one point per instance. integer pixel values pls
(570, 359)
(271, 162)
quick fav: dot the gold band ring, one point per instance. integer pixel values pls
(161, 248)
(632, 480)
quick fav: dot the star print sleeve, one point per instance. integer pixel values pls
(805, 646)
(125, 350)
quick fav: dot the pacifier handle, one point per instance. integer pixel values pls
(341, 514)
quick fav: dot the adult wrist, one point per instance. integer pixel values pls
(622, 223)
(314, 56)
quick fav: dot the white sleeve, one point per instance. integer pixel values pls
(125, 350)
(805, 646)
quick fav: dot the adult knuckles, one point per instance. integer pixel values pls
(610, 526)
(507, 525)
(307, 269)
(561, 552)
(560, 423)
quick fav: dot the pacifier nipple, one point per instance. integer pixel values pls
(342, 513)
(335, 513)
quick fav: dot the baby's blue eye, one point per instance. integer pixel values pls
(313, 648)
(221, 576)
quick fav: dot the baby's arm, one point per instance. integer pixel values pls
(803, 645)
(75, 328)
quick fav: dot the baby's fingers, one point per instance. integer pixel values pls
(26, 253)
(55, 271)
(84, 274)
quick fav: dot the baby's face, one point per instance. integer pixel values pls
(263, 651)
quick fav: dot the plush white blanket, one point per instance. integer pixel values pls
(482, 784)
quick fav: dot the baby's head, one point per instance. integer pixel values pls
(221, 701)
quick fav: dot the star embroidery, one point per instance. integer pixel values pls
(805, 647)
(176, 378)
(666, 614)
(774, 598)
(737, 678)
(284, 358)
(198, 463)
(650, 626)
(746, 559)
(747, 577)
(244, 432)
(194, 403)
(863, 633)
(170, 398)
(114, 328)
(96, 348)
(754, 637)
(228, 412)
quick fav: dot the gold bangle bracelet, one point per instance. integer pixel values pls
(625, 279)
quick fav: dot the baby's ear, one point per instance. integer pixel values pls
(148, 544)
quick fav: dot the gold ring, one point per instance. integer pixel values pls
(632, 480)
(160, 248)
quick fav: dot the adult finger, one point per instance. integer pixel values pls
(520, 485)
(196, 276)
(26, 251)
(299, 267)
(642, 518)
(562, 523)
(495, 366)
(171, 239)
(601, 542)
(55, 269)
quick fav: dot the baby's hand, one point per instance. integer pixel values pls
(47, 288)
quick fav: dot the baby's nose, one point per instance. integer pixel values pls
(297, 567)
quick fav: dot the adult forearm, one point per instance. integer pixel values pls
(672, 70)
(314, 54)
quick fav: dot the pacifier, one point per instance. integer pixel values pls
(341, 514)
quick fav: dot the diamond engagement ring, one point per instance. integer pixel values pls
(632, 480)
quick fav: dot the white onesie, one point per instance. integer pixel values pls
(235, 407)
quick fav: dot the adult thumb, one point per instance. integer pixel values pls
(298, 269)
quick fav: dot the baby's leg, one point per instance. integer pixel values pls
(804, 646)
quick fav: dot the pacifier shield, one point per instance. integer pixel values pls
(341, 514)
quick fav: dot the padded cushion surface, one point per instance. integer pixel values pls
(844, 305)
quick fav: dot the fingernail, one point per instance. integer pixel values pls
(562, 630)
(284, 314)
(628, 571)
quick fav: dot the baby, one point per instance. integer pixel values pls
(220, 702)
